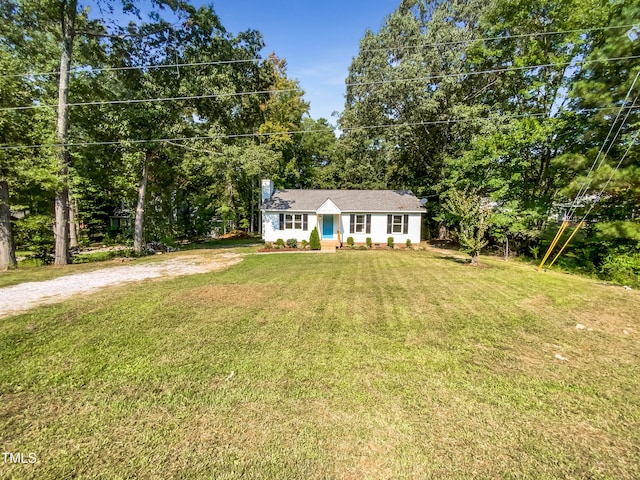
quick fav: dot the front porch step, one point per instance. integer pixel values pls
(329, 245)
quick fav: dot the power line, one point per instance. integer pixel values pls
(582, 222)
(496, 70)
(193, 97)
(157, 99)
(502, 37)
(82, 69)
(197, 150)
(599, 195)
(255, 134)
(291, 132)
(587, 183)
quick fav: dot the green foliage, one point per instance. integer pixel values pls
(408, 243)
(280, 243)
(304, 244)
(102, 256)
(522, 139)
(314, 239)
(472, 219)
(292, 243)
(368, 242)
(535, 251)
(34, 232)
(390, 242)
(350, 241)
(622, 267)
(608, 250)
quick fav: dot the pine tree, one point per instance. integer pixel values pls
(314, 239)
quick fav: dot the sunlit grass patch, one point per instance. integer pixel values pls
(355, 365)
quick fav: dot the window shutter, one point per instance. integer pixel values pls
(405, 224)
(281, 226)
(368, 223)
(352, 223)
(305, 222)
(389, 222)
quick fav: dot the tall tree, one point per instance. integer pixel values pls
(203, 104)
(283, 113)
(21, 169)
(67, 18)
(403, 91)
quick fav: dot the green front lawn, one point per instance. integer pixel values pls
(351, 365)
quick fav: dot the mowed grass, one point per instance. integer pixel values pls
(353, 365)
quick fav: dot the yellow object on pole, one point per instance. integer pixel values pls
(566, 243)
(555, 241)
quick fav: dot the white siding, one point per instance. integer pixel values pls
(271, 228)
(379, 229)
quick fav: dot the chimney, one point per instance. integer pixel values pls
(267, 189)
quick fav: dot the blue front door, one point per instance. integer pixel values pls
(327, 226)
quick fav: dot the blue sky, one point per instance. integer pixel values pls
(318, 38)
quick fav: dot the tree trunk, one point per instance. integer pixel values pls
(506, 249)
(73, 223)
(251, 199)
(7, 249)
(61, 225)
(475, 259)
(142, 193)
(443, 233)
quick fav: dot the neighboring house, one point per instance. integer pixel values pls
(339, 214)
(121, 219)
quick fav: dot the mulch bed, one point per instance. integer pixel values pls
(285, 249)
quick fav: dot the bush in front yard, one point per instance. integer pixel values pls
(350, 241)
(368, 242)
(279, 243)
(292, 243)
(303, 244)
(408, 243)
(390, 242)
(314, 239)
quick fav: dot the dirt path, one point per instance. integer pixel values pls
(22, 297)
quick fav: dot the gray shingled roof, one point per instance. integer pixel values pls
(345, 200)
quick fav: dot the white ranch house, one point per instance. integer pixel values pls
(339, 214)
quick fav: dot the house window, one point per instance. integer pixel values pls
(360, 223)
(398, 224)
(294, 221)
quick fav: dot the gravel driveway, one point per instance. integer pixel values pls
(18, 298)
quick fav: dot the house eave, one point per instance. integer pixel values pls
(289, 209)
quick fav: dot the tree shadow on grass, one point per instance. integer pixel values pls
(451, 258)
(222, 244)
